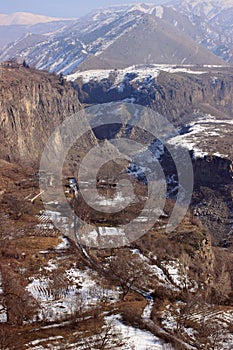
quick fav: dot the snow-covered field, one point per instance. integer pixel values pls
(85, 288)
(88, 287)
(135, 338)
(139, 73)
(123, 338)
(198, 138)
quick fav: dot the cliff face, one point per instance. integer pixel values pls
(213, 171)
(32, 104)
(213, 196)
(209, 92)
(174, 95)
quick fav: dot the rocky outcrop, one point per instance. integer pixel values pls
(32, 104)
(213, 171)
(213, 196)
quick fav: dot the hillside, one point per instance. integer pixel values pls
(70, 296)
(213, 20)
(120, 36)
(162, 44)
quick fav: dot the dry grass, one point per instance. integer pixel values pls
(33, 245)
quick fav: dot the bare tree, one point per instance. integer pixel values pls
(4, 241)
(107, 338)
(19, 304)
(128, 271)
(184, 265)
(58, 285)
(222, 285)
(9, 338)
(106, 335)
(210, 335)
(78, 311)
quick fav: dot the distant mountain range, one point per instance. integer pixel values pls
(184, 32)
(25, 18)
(16, 26)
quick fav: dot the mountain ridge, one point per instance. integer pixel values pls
(121, 36)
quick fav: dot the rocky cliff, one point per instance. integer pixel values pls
(213, 196)
(175, 95)
(213, 170)
(32, 104)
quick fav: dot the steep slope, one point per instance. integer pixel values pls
(210, 9)
(32, 104)
(212, 21)
(150, 40)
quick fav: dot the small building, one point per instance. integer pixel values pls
(73, 184)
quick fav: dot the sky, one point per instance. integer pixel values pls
(62, 8)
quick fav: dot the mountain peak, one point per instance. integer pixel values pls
(143, 7)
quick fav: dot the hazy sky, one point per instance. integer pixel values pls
(61, 8)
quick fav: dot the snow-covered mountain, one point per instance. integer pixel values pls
(121, 36)
(214, 20)
(25, 18)
(16, 26)
(208, 8)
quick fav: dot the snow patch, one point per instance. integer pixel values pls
(159, 11)
(135, 338)
(64, 244)
(140, 73)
